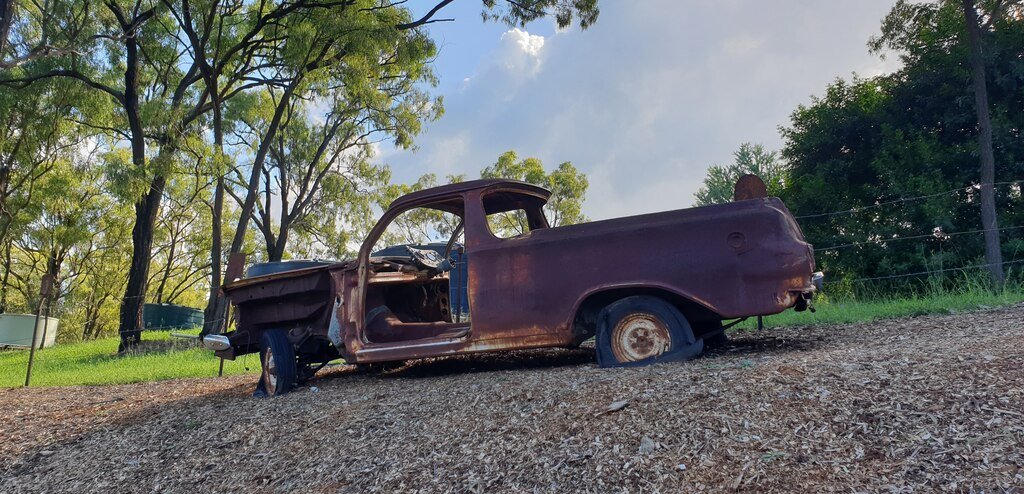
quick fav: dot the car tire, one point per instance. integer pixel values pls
(643, 330)
(279, 366)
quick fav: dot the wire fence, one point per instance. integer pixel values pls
(889, 202)
(936, 234)
(926, 273)
(164, 357)
(24, 342)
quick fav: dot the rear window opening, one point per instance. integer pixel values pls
(512, 214)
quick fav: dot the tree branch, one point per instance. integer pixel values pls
(427, 19)
(71, 73)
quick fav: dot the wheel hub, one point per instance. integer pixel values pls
(640, 336)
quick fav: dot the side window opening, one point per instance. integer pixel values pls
(418, 226)
(513, 214)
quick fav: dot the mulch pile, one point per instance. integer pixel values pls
(932, 403)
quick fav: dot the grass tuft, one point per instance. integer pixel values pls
(851, 310)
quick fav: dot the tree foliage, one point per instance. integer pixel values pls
(873, 142)
(125, 124)
(568, 186)
(750, 158)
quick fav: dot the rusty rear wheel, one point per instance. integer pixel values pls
(642, 330)
(639, 336)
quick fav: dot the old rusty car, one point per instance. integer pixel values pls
(650, 288)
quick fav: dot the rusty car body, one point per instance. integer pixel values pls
(682, 273)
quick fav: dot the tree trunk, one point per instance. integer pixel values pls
(278, 252)
(989, 221)
(167, 270)
(6, 21)
(216, 309)
(212, 316)
(138, 272)
(146, 209)
(5, 282)
(5, 223)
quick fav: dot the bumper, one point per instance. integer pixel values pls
(216, 342)
(804, 297)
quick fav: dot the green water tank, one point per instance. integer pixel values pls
(170, 316)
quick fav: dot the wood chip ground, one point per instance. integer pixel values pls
(932, 403)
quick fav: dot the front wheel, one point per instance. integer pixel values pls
(642, 330)
(277, 357)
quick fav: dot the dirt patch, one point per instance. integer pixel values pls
(927, 403)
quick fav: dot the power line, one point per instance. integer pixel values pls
(935, 235)
(904, 199)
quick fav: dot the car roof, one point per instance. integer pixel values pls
(425, 195)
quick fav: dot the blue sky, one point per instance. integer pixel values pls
(643, 101)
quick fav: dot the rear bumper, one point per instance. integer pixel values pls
(804, 297)
(216, 342)
(221, 346)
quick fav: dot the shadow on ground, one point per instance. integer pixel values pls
(552, 358)
(470, 364)
(764, 342)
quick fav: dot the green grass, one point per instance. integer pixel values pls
(97, 362)
(163, 357)
(859, 310)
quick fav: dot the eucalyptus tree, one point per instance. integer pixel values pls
(923, 32)
(718, 185)
(181, 243)
(66, 213)
(167, 70)
(315, 161)
(568, 186)
(128, 51)
(36, 135)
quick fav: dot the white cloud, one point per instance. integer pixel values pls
(446, 157)
(520, 52)
(650, 96)
(741, 44)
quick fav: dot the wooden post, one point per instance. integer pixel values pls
(760, 323)
(44, 293)
(46, 289)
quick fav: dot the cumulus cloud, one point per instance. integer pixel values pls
(520, 52)
(650, 96)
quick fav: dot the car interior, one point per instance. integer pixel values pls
(415, 283)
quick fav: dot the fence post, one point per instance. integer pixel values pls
(44, 293)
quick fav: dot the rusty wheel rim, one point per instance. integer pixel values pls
(640, 336)
(269, 372)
